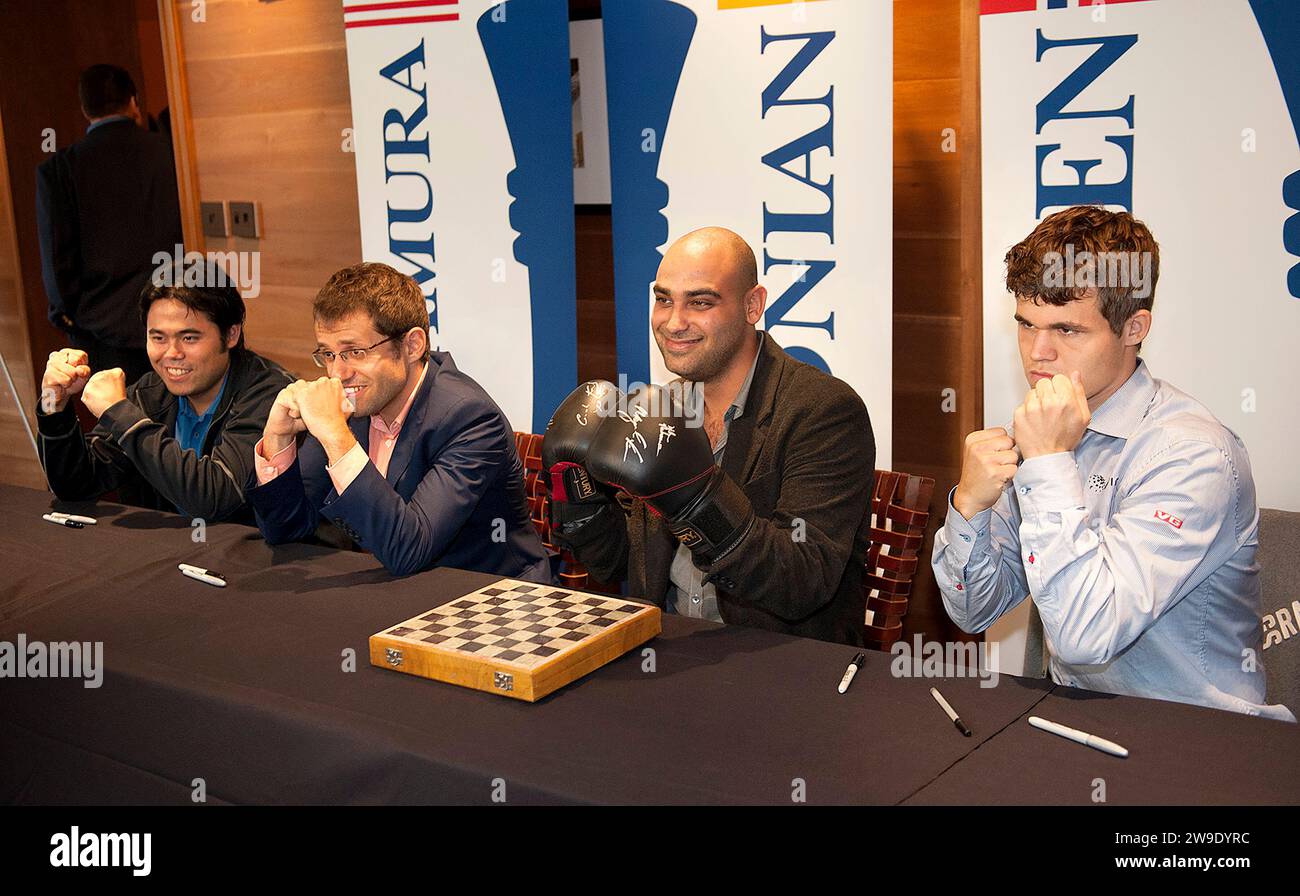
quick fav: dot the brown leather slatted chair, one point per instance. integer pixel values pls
(530, 455)
(572, 573)
(900, 509)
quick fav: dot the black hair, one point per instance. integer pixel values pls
(202, 286)
(105, 90)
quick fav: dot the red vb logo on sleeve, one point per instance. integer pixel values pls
(1169, 518)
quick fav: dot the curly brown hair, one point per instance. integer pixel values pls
(392, 299)
(1099, 233)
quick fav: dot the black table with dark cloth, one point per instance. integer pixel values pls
(247, 688)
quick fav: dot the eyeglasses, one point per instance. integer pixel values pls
(325, 358)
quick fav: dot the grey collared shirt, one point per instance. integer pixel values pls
(1139, 550)
(688, 594)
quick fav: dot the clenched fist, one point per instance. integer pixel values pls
(1053, 417)
(283, 423)
(66, 374)
(322, 404)
(325, 408)
(103, 390)
(988, 464)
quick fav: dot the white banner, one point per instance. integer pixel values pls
(772, 119)
(1175, 110)
(461, 117)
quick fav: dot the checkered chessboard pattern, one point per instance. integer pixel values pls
(517, 623)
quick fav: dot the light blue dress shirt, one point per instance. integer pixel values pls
(106, 120)
(1139, 550)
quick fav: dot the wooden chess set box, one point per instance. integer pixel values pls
(514, 638)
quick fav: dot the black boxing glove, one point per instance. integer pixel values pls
(575, 495)
(651, 452)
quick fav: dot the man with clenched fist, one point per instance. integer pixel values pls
(178, 438)
(394, 446)
(1117, 501)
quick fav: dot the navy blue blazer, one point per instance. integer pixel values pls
(454, 494)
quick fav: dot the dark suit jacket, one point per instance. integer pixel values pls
(104, 206)
(453, 496)
(802, 451)
(134, 448)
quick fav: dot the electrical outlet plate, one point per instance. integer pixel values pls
(244, 220)
(214, 218)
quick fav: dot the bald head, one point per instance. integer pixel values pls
(720, 252)
(707, 301)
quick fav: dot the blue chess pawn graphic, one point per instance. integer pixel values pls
(525, 43)
(1291, 229)
(1279, 22)
(646, 42)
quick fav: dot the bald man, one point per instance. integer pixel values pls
(750, 507)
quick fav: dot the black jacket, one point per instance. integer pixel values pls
(104, 207)
(802, 451)
(134, 448)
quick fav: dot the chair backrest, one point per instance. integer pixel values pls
(1279, 570)
(900, 509)
(572, 573)
(530, 456)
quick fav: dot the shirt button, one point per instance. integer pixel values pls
(695, 598)
(1024, 489)
(965, 538)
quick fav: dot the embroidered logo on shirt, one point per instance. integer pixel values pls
(1099, 483)
(1169, 518)
(1031, 556)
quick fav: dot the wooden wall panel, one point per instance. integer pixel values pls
(18, 463)
(268, 93)
(936, 302)
(926, 41)
(153, 78)
(594, 239)
(46, 45)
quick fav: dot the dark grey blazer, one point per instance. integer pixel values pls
(803, 450)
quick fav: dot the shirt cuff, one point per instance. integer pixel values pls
(57, 425)
(965, 535)
(269, 468)
(1049, 483)
(348, 467)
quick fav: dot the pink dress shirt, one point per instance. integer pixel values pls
(383, 439)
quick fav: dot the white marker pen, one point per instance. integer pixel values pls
(851, 671)
(203, 575)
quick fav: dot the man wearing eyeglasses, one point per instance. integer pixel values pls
(405, 454)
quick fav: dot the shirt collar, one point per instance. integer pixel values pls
(188, 409)
(377, 422)
(1120, 414)
(108, 119)
(738, 404)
